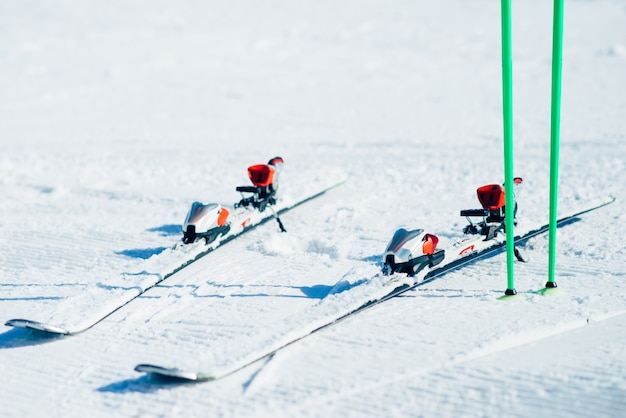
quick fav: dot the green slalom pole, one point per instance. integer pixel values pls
(507, 109)
(557, 58)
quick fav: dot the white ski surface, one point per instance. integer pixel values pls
(107, 298)
(350, 295)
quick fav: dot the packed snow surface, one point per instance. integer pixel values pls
(115, 116)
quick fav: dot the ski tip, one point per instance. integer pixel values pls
(38, 326)
(171, 372)
(605, 201)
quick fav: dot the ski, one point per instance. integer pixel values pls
(341, 305)
(206, 228)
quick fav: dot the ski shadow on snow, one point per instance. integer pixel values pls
(146, 384)
(376, 259)
(21, 337)
(373, 259)
(142, 253)
(319, 291)
(145, 253)
(167, 230)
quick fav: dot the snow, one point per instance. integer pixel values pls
(116, 116)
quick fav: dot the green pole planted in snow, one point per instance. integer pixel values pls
(557, 58)
(507, 109)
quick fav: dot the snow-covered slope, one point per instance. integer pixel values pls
(115, 116)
